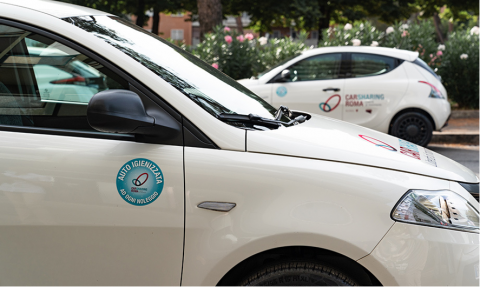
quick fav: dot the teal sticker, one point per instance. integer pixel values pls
(140, 181)
(281, 91)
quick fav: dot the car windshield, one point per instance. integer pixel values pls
(277, 65)
(209, 88)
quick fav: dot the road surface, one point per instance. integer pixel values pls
(466, 155)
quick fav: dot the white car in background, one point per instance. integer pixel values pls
(175, 174)
(388, 90)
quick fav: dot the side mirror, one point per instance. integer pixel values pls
(284, 76)
(118, 111)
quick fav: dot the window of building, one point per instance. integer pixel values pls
(176, 34)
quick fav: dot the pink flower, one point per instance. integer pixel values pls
(431, 55)
(405, 33)
(439, 53)
(228, 39)
(240, 38)
(226, 29)
(249, 36)
(215, 65)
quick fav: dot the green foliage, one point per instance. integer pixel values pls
(243, 59)
(414, 37)
(460, 76)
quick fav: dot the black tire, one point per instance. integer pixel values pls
(413, 127)
(297, 273)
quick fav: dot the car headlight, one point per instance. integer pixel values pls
(442, 208)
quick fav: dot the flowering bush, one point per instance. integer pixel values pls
(460, 69)
(243, 56)
(418, 37)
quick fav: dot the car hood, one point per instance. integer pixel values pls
(325, 138)
(249, 82)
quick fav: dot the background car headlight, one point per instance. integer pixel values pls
(441, 208)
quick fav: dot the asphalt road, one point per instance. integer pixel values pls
(466, 155)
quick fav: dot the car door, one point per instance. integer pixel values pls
(316, 85)
(77, 206)
(375, 87)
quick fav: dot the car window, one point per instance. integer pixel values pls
(44, 83)
(320, 67)
(421, 63)
(366, 65)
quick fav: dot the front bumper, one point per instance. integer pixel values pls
(419, 255)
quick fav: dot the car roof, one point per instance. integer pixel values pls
(54, 8)
(391, 52)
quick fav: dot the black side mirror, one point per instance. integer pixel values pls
(284, 76)
(117, 111)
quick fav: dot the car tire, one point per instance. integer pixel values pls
(298, 273)
(413, 127)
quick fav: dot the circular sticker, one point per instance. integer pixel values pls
(140, 181)
(281, 91)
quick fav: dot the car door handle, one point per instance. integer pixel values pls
(331, 89)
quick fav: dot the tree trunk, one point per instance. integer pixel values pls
(156, 20)
(238, 19)
(209, 15)
(140, 13)
(437, 22)
(324, 21)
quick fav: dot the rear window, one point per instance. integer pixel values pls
(367, 65)
(421, 63)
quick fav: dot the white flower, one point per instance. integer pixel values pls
(474, 30)
(374, 44)
(441, 47)
(361, 26)
(262, 40)
(390, 30)
(404, 27)
(356, 42)
(463, 56)
(348, 26)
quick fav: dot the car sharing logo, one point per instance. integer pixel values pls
(327, 105)
(378, 143)
(140, 181)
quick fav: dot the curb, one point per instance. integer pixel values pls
(463, 114)
(466, 139)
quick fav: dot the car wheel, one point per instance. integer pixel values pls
(413, 127)
(297, 273)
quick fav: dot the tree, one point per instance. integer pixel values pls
(431, 8)
(317, 14)
(210, 14)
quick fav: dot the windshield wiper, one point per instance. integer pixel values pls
(258, 120)
(283, 110)
(251, 119)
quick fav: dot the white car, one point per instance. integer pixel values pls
(388, 90)
(178, 175)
